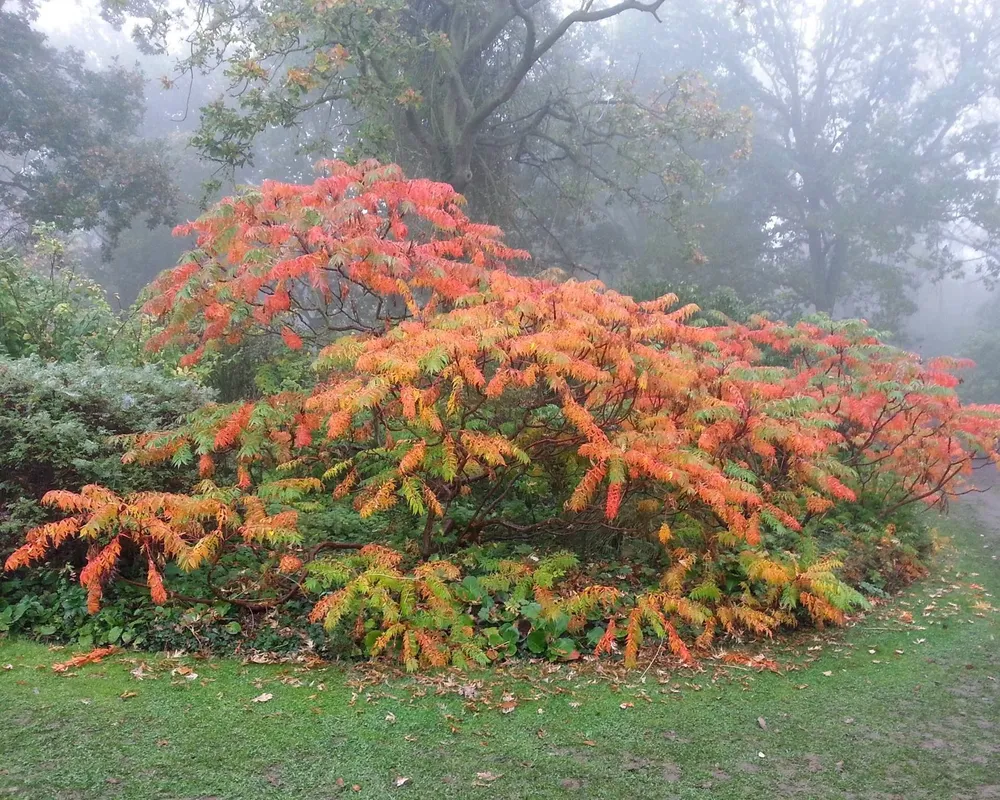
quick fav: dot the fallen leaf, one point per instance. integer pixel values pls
(92, 657)
(390, 718)
(402, 781)
(488, 777)
(356, 787)
(507, 703)
(590, 743)
(624, 706)
(828, 673)
(262, 698)
(8, 666)
(760, 755)
(128, 695)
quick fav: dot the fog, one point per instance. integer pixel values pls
(785, 157)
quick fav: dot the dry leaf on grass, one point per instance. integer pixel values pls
(92, 657)
(185, 672)
(507, 703)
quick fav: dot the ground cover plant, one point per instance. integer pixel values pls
(455, 406)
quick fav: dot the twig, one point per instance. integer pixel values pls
(656, 655)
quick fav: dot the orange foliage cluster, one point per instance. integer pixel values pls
(445, 376)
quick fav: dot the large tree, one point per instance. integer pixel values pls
(511, 101)
(70, 151)
(875, 141)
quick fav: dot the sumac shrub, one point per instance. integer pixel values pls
(476, 405)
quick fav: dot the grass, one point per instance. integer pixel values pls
(917, 718)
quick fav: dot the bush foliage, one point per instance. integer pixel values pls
(49, 311)
(455, 402)
(56, 427)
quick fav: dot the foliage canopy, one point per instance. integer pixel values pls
(513, 103)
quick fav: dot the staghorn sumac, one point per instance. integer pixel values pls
(451, 389)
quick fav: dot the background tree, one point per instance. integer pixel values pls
(512, 102)
(874, 154)
(70, 151)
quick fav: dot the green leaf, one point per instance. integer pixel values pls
(370, 638)
(564, 648)
(510, 633)
(537, 641)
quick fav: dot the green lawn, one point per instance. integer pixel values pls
(917, 718)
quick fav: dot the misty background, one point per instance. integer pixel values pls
(779, 156)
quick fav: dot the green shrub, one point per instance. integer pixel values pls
(49, 310)
(52, 606)
(880, 556)
(56, 424)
